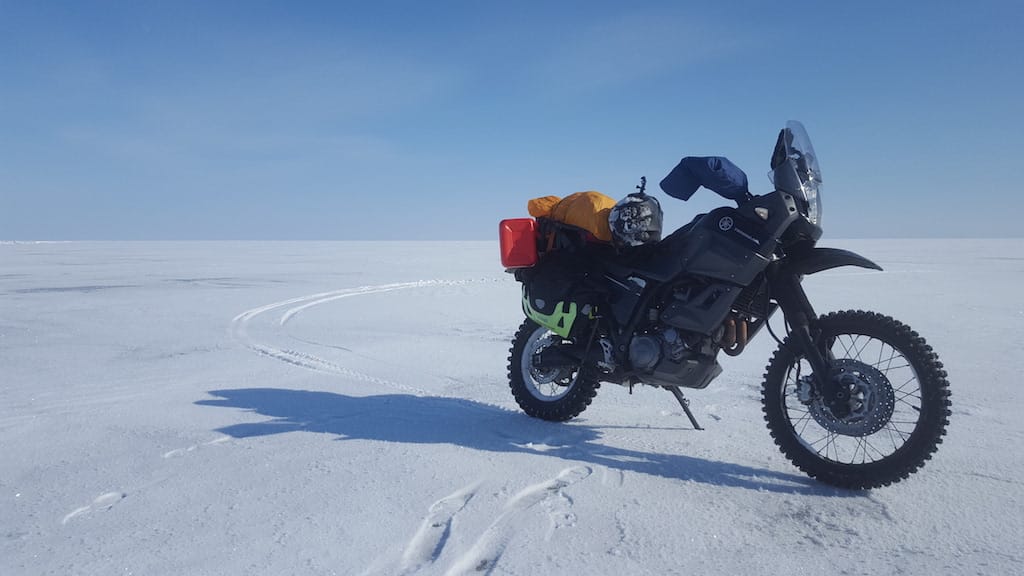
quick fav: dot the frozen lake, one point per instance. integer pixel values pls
(343, 408)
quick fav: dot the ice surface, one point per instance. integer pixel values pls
(342, 408)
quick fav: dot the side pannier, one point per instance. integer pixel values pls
(554, 295)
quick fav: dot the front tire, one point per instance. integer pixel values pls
(556, 395)
(899, 406)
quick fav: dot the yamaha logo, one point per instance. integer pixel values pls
(725, 224)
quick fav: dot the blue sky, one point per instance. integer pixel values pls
(433, 120)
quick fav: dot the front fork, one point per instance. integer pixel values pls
(789, 293)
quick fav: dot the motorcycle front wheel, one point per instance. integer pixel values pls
(898, 408)
(556, 394)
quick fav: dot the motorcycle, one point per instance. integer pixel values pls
(854, 399)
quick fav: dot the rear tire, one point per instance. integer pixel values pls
(556, 395)
(900, 403)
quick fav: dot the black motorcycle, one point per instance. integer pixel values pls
(853, 398)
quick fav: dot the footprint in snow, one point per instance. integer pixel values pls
(428, 542)
(485, 553)
(102, 502)
(182, 451)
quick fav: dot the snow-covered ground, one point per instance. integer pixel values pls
(342, 408)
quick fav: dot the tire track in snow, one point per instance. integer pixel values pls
(294, 306)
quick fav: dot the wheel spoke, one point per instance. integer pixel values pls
(890, 368)
(832, 444)
(903, 398)
(889, 361)
(868, 444)
(913, 378)
(849, 349)
(902, 435)
(814, 444)
(806, 421)
(854, 339)
(829, 439)
(857, 449)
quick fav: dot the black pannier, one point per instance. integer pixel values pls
(555, 294)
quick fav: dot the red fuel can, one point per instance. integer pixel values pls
(518, 238)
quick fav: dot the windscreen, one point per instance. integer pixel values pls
(794, 163)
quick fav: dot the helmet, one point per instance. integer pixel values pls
(635, 220)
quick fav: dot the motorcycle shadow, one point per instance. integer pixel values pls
(408, 419)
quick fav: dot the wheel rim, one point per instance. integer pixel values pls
(546, 385)
(885, 405)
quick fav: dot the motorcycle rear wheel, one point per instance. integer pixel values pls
(557, 394)
(899, 406)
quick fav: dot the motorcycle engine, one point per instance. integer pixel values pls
(646, 351)
(665, 356)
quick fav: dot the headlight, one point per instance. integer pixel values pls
(813, 196)
(804, 185)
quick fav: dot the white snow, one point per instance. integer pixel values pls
(342, 408)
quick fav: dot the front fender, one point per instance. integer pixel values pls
(817, 260)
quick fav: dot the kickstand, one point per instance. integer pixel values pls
(685, 403)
